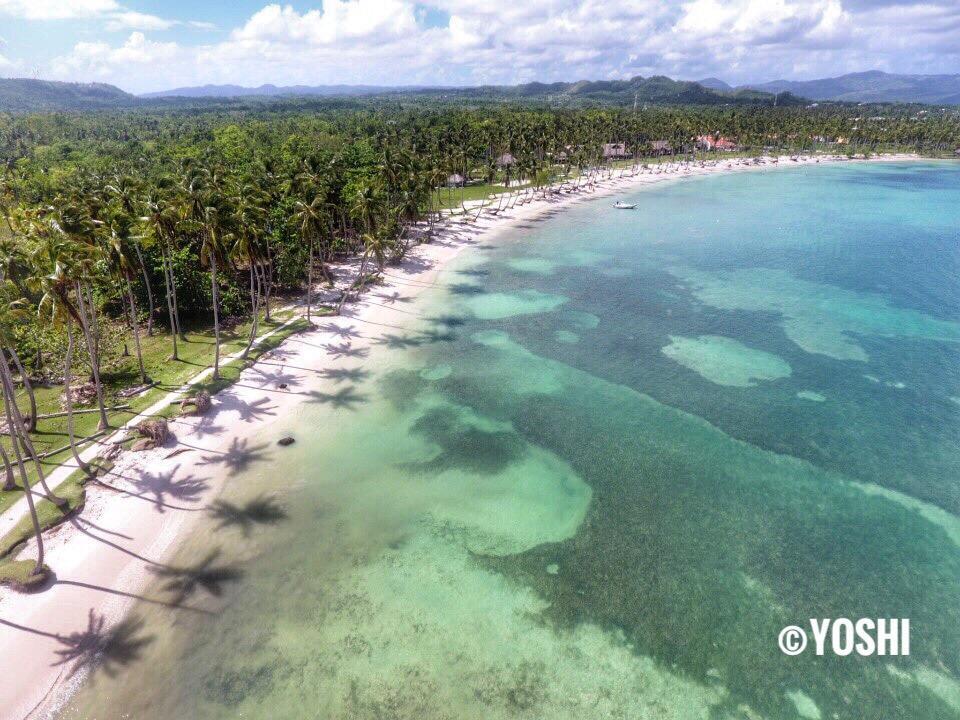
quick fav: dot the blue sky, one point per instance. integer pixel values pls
(145, 45)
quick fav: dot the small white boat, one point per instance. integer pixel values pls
(623, 206)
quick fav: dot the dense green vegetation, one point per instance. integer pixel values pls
(121, 230)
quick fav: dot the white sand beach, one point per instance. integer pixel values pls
(101, 558)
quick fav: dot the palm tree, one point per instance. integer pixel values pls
(311, 219)
(124, 192)
(160, 222)
(248, 218)
(76, 228)
(57, 283)
(24, 477)
(211, 251)
(202, 195)
(11, 312)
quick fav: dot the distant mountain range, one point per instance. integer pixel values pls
(659, 89)
(236, 91)
(25, 95)
(39, 95)
(872, 86)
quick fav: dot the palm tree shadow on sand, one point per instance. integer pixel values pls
(345, 350)
(161, 486)
(339, 375)
(343, 399)
(342, 331)
(238, 457)
(105, 648)
(261, 510)
(184, 582)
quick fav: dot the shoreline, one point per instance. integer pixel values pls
(102, 557)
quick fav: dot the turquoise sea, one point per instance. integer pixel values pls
(608, 459)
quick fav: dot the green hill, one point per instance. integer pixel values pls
(26, 95)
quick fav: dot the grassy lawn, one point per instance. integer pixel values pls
(447, 198)
(196, 354)
(49, 514)
(452, 199)
(18, 573)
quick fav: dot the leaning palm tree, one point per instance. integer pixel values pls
(12, 312)
(75, 229)
(57, 282)
(15, 440)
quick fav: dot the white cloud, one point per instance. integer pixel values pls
(57, 9)
(504, 41)
(339, 19)
(99, 61)
(129, 20)
(118, 17)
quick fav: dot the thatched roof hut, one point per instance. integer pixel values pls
(615, 150)
(455, 180)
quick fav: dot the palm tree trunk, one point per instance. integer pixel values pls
(8, 482)
(67, 373)
(268, 282)
(255, 304)
(18, 427)
(146, 282)
(216, 317)
(166, 285)
(92, 342)
(136, 329)
(358, 282)
(310, 280)
(173, 290)
(32, 420)
(24, 479)
(262, 273)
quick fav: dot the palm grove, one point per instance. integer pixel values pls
(119, 227)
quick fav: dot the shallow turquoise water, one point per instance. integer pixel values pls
(602, 468)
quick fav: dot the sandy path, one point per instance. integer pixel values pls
(102, 558)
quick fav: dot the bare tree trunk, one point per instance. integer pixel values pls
(8, 482)
(32, 420)
(173, 290)
(310, 280)
(92, 343)
(67, 372)
(359, 283)
(268, 283)
(262, 273)
(136, 330)
(255, 304)
(146, 282)
(24, 479)
(216, 317)
(166, 285)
